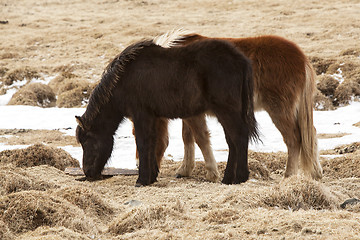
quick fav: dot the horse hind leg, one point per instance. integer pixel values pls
(289, 129)
(237, 136)
(162, 139)
(188, 162)
(196, 127)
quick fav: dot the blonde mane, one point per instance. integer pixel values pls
(171, 38)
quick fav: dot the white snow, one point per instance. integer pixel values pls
(27, 117)
(338, 75)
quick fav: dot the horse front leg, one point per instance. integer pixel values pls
(145, 133)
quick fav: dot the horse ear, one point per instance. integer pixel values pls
(80, 122)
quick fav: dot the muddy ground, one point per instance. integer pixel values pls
(53, 53)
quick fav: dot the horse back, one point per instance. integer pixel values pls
(183, 81)
(279, 70)
(278, 66)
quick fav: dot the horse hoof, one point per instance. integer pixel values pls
(139, 185)
(227, 181)
(212, 176)
(241, 179)
(142, 183)
(82, 179)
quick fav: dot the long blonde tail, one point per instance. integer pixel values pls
(309, 157)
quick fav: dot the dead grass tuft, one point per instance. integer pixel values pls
(87, 200)
(273, 162)
(9, 55)
(222, 216)
(342, 94)
(353, 207)
(3, 71)
(299, 192)
(5, 233)
(321, 102)
(28, 136)
(34, 94)
(350, 52)
(72, 91)
(73, 98)
(327, 85)
(39, 154)
(149, 217)
(64, 82)
(342, 167)
(28, 210)
(54, 233)
(13, 179)
(258, 170)
(321, 65)
(20, 74)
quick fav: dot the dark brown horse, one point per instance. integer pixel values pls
(283, 86)
(149, 83)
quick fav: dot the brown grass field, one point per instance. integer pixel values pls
(67, 44)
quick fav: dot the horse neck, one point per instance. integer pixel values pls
(107, 118)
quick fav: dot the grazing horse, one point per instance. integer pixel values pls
(283, 86)
(149, 83)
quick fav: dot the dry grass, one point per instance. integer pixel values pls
(342, 167)
(53, 138)
(72, 91)
(54, 233)
(327, 85)
(13, 179)
(38, 154)
(156, 216)
(28, 210)
(41, 202)
(87, 200)
(18, 74)
(331, 135)
(34, 94)
(300, 193)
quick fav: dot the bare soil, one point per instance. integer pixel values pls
(64, 47)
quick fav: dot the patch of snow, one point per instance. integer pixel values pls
(338, 75)
(6, 136)
(5, 98)
(12, 147)
(123, 156)
(17, 84)
(329, 156)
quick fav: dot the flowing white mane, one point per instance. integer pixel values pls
(171, 38)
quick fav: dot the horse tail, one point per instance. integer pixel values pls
(309, 157)
(248, 102)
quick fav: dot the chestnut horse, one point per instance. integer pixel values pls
(149, 83)
(283, 87)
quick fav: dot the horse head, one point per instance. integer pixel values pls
(97, 148)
